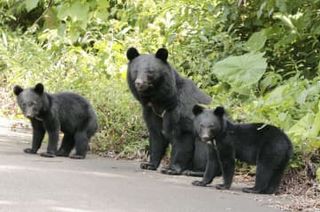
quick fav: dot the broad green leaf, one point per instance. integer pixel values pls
(203, 38)
(282, 5)
(302, 127)
(256, 41)
(51, 20)
(63, 11)
(241, 71)
(276, 96)
(311, 91)
(315, 129)
(74, 32)
(31, 4)
(79, 11)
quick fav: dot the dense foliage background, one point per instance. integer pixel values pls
(260, 59)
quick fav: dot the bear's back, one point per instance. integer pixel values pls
(190, 95)
(74, 111)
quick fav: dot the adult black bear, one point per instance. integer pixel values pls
(167, 100)
(68, 112)
(261, 144)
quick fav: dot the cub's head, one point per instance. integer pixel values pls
(208, 123)
(146, 72)
(30, 100)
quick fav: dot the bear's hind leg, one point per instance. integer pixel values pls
(264, 174)
(81, 144)
(276, 179)
(181, 155)
(66, 146)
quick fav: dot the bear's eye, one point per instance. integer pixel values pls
(207, 126)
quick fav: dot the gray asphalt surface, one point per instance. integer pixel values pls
(33, 183)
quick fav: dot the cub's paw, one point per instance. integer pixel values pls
(170, 171)
(77, 156)
(192, 173)
(250, 190)
(47, 155)
(30, 151)
(199, 183)
(222, 187)
(148, 166)
(62, 153)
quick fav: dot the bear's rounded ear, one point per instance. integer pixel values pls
(197, 109)
(162, 54)
(132, 53)
(219, 111)
(39, 88)
(17, 90)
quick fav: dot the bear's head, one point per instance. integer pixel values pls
(146, 72)
(208, 123)
(30, 100)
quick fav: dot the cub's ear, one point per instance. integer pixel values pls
(17, 90)
(197, 109)
(132, 53)
(39, 88)
(162, 54)
(219, 111)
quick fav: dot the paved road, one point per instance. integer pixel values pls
(33, 183)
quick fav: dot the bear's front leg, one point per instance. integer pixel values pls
(226, 159)
(53, 132)
(38, 133)
(181, 153)
(212, 168)
(158, 146)
(157, 143)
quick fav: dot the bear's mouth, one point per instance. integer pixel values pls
(207, 140)
(143, 88)
(29, 116)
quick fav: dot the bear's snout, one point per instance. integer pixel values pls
(205, 138)
(140, 85)
(205, 134)
(29, 115)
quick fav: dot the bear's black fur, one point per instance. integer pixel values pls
(263, 145)
(68, 112)
(167, 100)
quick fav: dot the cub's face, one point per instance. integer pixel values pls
(30, 100)
(207, 123)
(147, 71)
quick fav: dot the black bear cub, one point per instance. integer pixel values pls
(263, 145)
(66, 111)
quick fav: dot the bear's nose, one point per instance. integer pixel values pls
(138, 83)
(205, 137)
